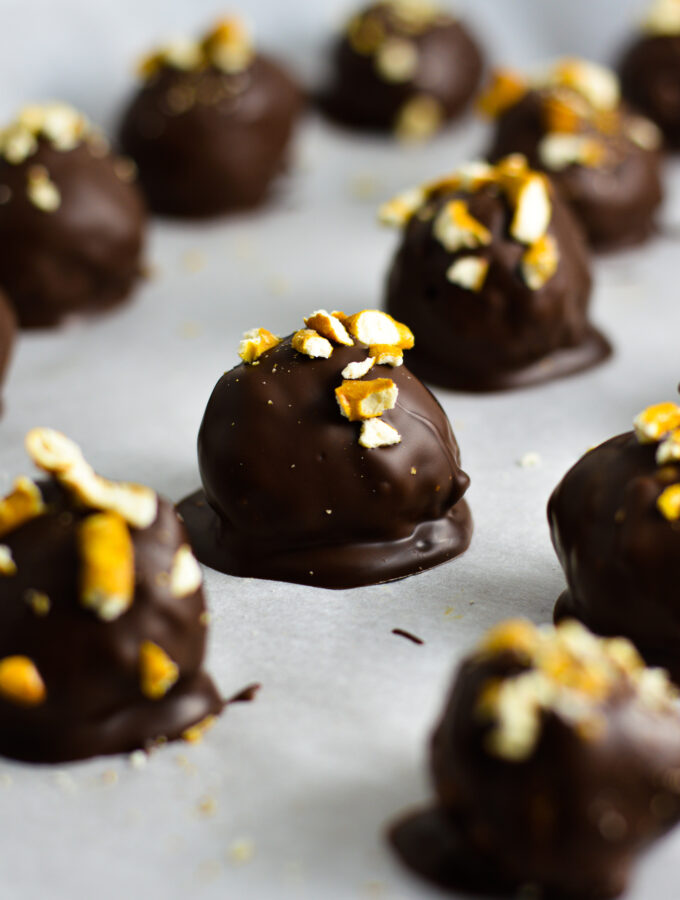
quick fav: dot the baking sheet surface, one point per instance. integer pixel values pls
(288, 796)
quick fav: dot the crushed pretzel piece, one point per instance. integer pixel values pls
(39, 602)
(396, 60)
(256, 342)
(559, 151)
(386, 354)
(540, 262)
(644, 133)
(400, 210)
(456, 229)
(469, 272)
(563, 113)
(54, 453)
(25, 502)
(107, 573)
(668, 450)
(597, 84)
(182, 53)
(517, 635)
(229, 46)
(329, 326)
(376, 433)
(58, 123)
(7, 564)
(655, 422)
(21, 682)
(504, 91)
(194, 734)
(419, 118)
(372, 326)
(663, 18)
(158, 673)
(312, 344)
(42, 191)
(366, 399)
(358, 369)
(533, 209)
(185, 575)
(668, 503)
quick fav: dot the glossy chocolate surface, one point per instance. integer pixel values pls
(289, 494)
(621, 557)
(506, 335)
(90, 667)
(448, 71)
(650, 79)
(568, 820)
(85, 255)
(207, 142)
(8, 327)
(615, 203)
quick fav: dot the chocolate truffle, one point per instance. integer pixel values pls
(493, 275)
(72, 221)
(325, 462)
(650, 69)
(210, 126)
(556, 761)
(405, 66)
(569, 122)
(102, 617)
(615, 523)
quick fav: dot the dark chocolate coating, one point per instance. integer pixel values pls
(449, 70)
(621, 557)
(650, 80)
(83, 257)
(616, 204)
(272, 472)
(506, 335)
(569, 819)
(8, 328)
(222, 152)
(90, 667)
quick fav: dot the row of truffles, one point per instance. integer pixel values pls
(72, 220)
(325, 462)
(402, 66)
(569, 121)
(615, 524)
(103, 615)
(555, 762)
(494, 276)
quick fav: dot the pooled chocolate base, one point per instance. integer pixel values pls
(208, 143)
(593, 349)
(83, 257)
(449, 70)
(650, 81)
(346, 565)
(616, 204)
(505, 335)
(291, 495)
(94, 704)
(621, 557)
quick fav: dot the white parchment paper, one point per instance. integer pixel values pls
(288, 797)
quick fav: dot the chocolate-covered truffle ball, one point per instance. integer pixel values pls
(102, 619)
(402, 65)
(650, 69)
(615, 523)
(210, 126)
(494, 277)
(72, 220)
(555, 762)
(570, 123)
(325, 462)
